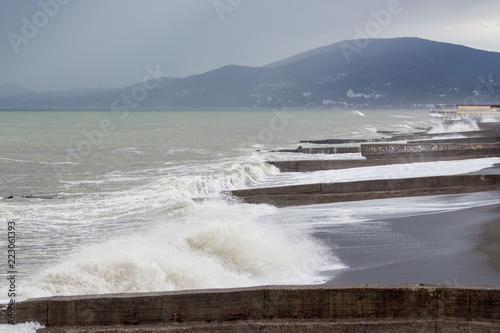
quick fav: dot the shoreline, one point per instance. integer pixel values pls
(490, 237)
(458, 247)
(494, 170)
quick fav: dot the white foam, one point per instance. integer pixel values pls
(384, 209)
(30, 327)
(275, 156)
(410, 170)
(358, 113)
(490, 120)
(460, 126)
(217, 244)
(35, 162)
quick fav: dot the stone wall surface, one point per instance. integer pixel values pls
(310, 194)
(436, 150)
(317, 165)
(357, 308)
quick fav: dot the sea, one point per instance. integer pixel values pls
(136, 201)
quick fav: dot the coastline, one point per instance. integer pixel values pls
(459, 247)
(494, 170)
(490, 237)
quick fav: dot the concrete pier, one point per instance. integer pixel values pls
(438, 150)
(322, 193)
(339, 141)
(491, 130)
(318, 165)
(413, 152)
(485, 139)
(323, 150)
(324, 308)
(431, 136)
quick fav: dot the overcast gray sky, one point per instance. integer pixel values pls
(65, 44)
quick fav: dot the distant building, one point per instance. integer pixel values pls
(351, 94)
(447, 112)
(478, 108)
(333, 103)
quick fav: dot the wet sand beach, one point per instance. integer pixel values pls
(494, 170)
(490, 241)
(459, 247)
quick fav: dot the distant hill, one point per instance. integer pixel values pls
(376, 72)
(7, 90)
(304, 55)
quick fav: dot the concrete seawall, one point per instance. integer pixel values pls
(450, 143)
(490, 131)
(357, 308)
(392, 151)
(317, 165)
(429, 136)
(385, 154)
(324, 150)
(321, 193)
(486, 139)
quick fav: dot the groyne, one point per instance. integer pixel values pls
(430, 136)
(318, 165)
(488, 131)
(323, 150)
(324, 308)
(484, 139)
(321, 193)
(339, 141)
(413, 152)
(431, 149)
(357, 149)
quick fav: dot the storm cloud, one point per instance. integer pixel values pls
(66, 44)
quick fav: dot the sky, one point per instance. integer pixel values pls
(66, 44)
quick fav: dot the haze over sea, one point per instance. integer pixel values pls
(132, 202)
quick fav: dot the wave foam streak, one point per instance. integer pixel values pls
(217, 244)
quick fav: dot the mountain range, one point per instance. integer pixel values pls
(374, 72)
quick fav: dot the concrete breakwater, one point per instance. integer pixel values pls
(449, 144)
(325, 308)
(321, 193)
(492, 131)
(339, 141)
(385, 154)
(431, 149)
(318, 165)
(324, 150)
(484, 139)
(431, 136)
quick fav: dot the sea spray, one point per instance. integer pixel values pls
(358, 113)
(465, 125)
(488, 120)
(216, 245)
(29, 327)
